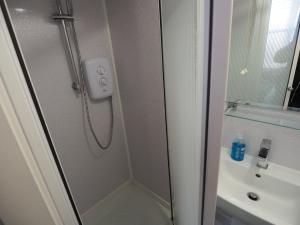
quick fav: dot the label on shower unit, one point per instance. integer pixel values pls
(98, 78)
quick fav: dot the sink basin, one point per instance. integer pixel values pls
(259, 196)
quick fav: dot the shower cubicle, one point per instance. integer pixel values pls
(96, 70)
(114, 88)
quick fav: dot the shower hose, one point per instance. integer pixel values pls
(85, 98)
(80, 75)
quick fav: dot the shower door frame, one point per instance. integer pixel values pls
(218, 56)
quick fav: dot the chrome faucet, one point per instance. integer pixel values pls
(262, 157)
(233, 105)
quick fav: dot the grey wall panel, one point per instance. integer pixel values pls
(135, 30)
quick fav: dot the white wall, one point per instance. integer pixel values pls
(285, 141)
(90, 173)
(135, 32)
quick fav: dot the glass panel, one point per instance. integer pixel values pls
(264, 35)
(269, 116)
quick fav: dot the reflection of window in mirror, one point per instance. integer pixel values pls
(264, 68)
(294, 101)
(263, 40)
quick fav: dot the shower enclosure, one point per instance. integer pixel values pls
(96, 70)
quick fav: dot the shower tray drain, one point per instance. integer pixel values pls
(253, 196)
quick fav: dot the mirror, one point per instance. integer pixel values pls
(263, 65)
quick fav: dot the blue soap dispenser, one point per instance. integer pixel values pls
(238, 148)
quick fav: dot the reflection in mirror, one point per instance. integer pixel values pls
(294, 100)
(263, 41)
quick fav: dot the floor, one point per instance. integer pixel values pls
(223, 218)
(129, 205)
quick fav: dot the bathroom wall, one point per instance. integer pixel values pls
(135, 31)
(285, 141)
(91, 173)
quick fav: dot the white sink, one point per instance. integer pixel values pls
(278, 189)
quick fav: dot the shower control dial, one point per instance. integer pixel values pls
(98, 78)
(100, 70)
(103, 82)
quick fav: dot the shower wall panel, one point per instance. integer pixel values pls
(91, 174)
(135, 31)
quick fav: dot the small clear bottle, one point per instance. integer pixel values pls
(238, 148)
